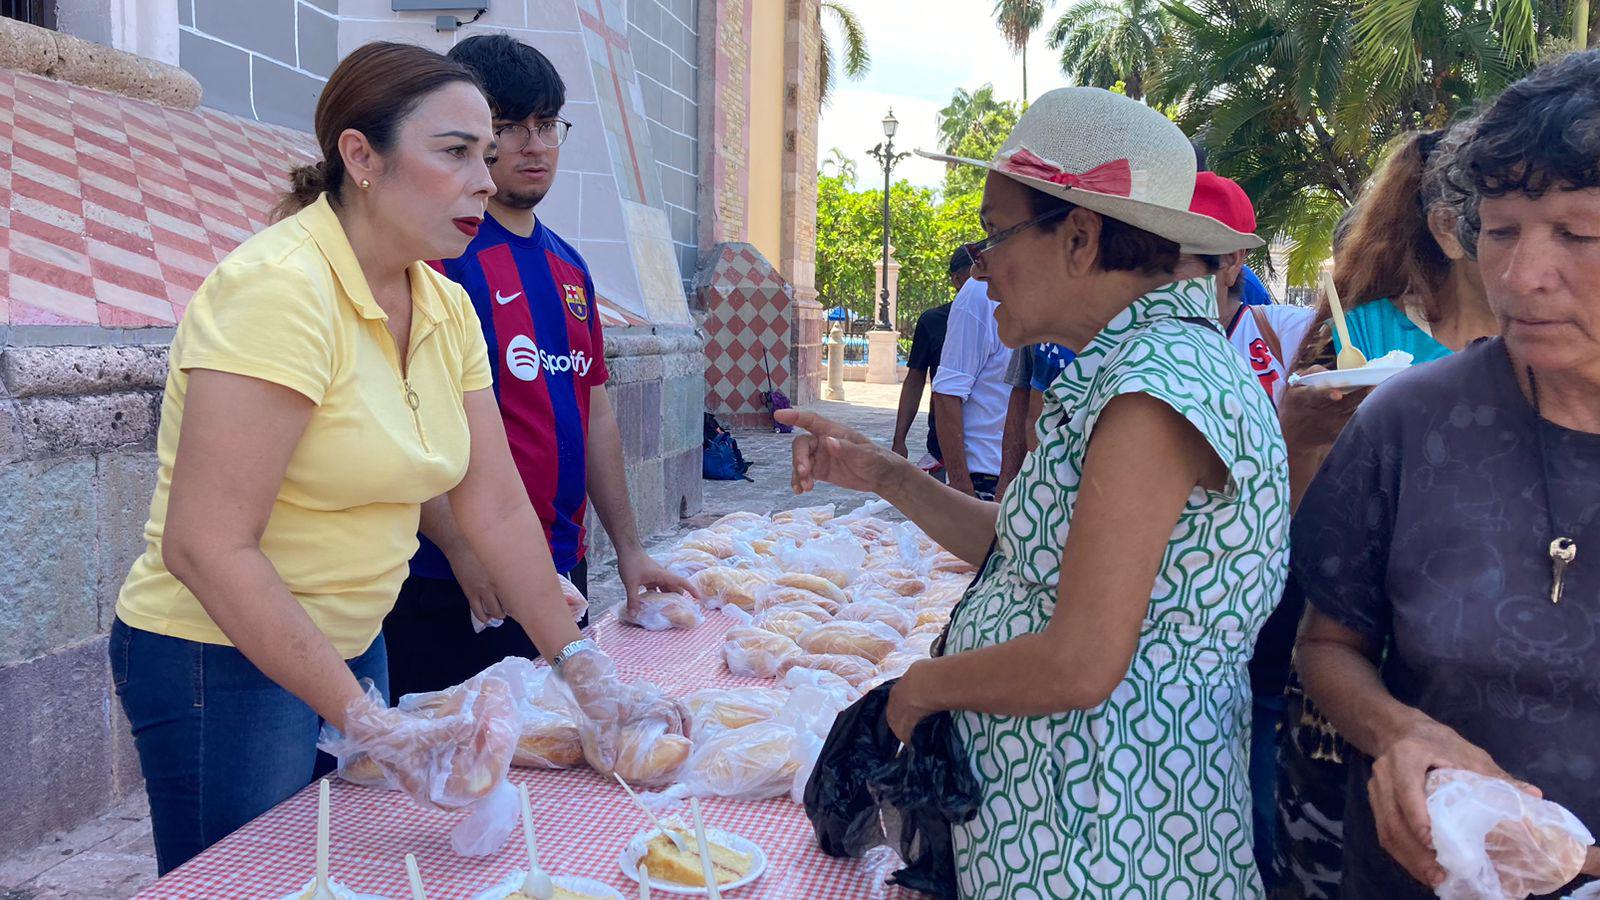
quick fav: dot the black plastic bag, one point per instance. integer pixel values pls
(866, 792)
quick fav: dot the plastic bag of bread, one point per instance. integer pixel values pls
(932, 618)
(548, 736)
(661, 611)
(920, 642)
(814, 584)
(853, 669)
(755, 762)
(713, 543)
(756, 652)
(577, 603)
(688, 563)
(772, 595)
(726, 586)
(651, 751)
(447, 758)
(801, 682)
(790, 621)
(816, 515)
(903, 581)
(881, 612)
(837, 559)
(713, 708)
(952, 564)
(740, 521)
(1493, 840)
(871, 641)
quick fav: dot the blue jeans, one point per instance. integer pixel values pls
(1265, 713)
(219, 742)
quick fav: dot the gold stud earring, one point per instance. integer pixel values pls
(366, 185)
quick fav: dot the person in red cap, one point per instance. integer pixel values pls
(1268, 336)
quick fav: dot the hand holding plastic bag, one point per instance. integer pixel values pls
(598, 700)
(448, 756)
(1496, 841)
(661, 611)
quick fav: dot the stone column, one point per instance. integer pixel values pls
(883, 357)
(801, 114)
(836, 363)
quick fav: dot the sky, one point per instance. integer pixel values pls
(922, 51)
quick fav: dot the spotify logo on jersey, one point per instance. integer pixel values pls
(524, 359)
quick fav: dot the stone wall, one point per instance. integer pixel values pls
(77, 467)
(664, 37)
(265, 60)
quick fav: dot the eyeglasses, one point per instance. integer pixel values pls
(977, 249)
(514, 138)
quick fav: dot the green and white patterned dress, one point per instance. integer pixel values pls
(1146, 795)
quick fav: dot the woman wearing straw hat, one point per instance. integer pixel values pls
(1096, 668)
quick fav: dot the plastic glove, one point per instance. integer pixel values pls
(488, 823)
(447, 756)
(598, 700)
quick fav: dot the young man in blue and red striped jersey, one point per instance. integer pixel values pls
(536, 303)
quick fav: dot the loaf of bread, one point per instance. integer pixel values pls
(750, 763)
(649, 754)
(881, 612)
(789, 621)
(714, 708)
(816, 584)
(726, 586)
(661, 611)
(552, 743)
(714, 543)
(688, 562)
(771, 595)
(871, 641)
(854, 669)
(756, 652)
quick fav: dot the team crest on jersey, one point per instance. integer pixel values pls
(577, 301)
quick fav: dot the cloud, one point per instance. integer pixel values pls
(922, 51)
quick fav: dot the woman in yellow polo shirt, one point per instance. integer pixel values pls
(322, 385)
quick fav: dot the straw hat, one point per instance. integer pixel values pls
(1113, 155)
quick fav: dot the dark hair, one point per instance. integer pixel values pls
(1542, 133)
(1123, 248)
(1384, 248)
(519, 80)
(372, 91)
(960, 260)
(1200, 163)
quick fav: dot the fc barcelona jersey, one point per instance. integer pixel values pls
(535, 301)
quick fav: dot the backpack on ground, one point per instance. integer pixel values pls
(721, 459)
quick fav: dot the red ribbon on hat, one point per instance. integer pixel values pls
(1115, 177)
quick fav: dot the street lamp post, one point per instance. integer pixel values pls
(886, 157)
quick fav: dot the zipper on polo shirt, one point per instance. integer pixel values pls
(412, 399)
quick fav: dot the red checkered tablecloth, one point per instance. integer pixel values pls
(582, 820)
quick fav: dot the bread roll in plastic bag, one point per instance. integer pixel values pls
(902, 621)
(790, 623)
(755, 762)
(1495, 841)
(740, 521)
(548, 737)
(853, 669)
(662, 611)
(816, 584)
(649, 753)
(756, 652)
(688, 563)
(871, 641)
(769, 596)
(716, 544)
(816, 515)
(726, 586)
(837, 559)
(713, 708)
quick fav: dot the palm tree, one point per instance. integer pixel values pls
(1018, 20)
(856, 58)
(843, 166)
(1103, 42)
(968, 111)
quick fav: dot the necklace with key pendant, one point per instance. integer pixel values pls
(1563, 547)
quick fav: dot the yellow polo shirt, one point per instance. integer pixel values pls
(291, 306)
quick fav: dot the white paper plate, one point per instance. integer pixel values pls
(636, 848)
(1366, 376)
(513, 883)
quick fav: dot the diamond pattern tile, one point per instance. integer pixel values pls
(112, 210)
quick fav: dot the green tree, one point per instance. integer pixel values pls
(1103, 42)
(926, 230)
(1018, 20)
(983, 129)
(857, 59)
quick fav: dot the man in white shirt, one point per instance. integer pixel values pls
(970, 393)
(1268, 337)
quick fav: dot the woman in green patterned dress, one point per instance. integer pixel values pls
(1096, 669)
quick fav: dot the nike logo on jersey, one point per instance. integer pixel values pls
(503, 299)
(524, 359)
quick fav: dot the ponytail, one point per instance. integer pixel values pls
(306, 184)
